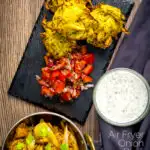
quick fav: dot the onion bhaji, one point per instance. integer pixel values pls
(74, 21)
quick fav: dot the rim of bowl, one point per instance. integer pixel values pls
(46, 113)
(141, 117)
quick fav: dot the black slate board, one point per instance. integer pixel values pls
(25, 86)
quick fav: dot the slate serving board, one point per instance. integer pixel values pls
(25, 86)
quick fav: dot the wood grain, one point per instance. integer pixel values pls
(17, 18)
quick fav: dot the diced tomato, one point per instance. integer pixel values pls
(86, 79)
(50, 63)
(43, 83)
(75, 70)
(47, 91)
(60, 64)
(66, 96)
(45, 69)
(78, 93)
(55, 74)
(46, 76)
(75, 93)
(58, 86)
(73, 77)
(89, 58)
(72, 64)
(63, 59)
(76, 75)
(79, 65)
(76, 56)
(88, 69)
(62, 77)
(66, 73)
(84, 49)
(52, 81)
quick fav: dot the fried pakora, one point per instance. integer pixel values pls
(110, 23)
(74, 21)
(56, 44)
(67, 20)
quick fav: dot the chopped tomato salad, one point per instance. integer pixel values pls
(67, 76)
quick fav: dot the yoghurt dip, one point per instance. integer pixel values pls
(121, 97)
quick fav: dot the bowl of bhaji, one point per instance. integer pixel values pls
(46, 131)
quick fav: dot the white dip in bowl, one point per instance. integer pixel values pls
(121, 97)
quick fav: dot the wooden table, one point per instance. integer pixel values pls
(17, 18)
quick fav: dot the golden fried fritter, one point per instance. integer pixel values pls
(74, 21)
(99, 26)
(56, 44)
(67, 20)
(110, 23)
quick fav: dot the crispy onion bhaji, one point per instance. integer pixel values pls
(74, 21)
(56, 45)
(68, 21)
(110, 23)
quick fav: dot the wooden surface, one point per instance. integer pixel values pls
(17, 18)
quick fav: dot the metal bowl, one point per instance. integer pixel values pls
(141, 117)
(48, 117)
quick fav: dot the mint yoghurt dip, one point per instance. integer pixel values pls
(121, 96)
